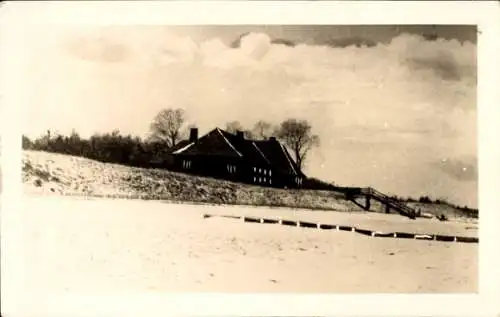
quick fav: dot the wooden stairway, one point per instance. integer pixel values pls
(390, 203)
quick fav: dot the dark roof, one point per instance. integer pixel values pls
(278, 155)
(178, 146)
(247, 148)
(212, 143)
(263, 152)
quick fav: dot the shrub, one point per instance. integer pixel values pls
(425, 199)
(317, 184)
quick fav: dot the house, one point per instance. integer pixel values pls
(224, 155)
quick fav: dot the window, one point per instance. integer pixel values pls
(298, 180)
(270, 181)
(270, 173)
(231, 168)
(260, 170)
(254, 179)
(260, 180)
(265, 172)
(255, 169)
(265, 180)
(186, 164)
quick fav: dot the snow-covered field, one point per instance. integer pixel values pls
(96, 245)
(58, 174)
(70, 175)
(112, 246)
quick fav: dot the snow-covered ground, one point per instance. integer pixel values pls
(51, 173)
(67, 244)
(113, 246)
(58, 174)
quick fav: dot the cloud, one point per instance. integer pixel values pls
(236, 43)
(97, 50)
(283, 42)
(445, 58)
(409, 85)
(340, 42)
(255, 45)
(441, 62)
(351, 41)
(368, 103)
(459, 168)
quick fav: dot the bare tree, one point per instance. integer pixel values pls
(262, 130)
(191, 126)
(166, 126)
(235, 126)
(297, 136)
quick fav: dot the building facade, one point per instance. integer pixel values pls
(224, 155)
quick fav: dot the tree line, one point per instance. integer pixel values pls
(166, 130)
(106, 147)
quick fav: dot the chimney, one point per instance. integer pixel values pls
(240, 135)
(193, 135)
(272, 138)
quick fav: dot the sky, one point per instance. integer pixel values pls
(393, 110)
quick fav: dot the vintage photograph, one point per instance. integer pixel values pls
(251, 158)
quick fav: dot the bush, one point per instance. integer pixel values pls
(442, 217)
(425, 199)
(317, 184)
(108, 148)
(27, 144)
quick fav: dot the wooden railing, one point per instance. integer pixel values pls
(388, 201)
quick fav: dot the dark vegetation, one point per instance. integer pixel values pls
(470, 212)
(108, 147)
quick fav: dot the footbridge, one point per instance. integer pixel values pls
(369, 193)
